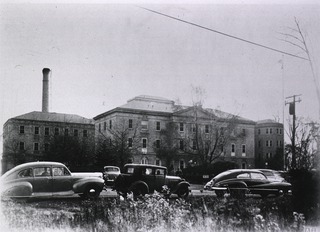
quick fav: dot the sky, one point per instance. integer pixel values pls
(103, 54)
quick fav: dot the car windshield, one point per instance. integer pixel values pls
(111, 169)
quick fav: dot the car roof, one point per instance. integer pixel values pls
(111, 167)
(33, 164)
(144, 165)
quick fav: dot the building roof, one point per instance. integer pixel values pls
(54, 117)
(268, 121)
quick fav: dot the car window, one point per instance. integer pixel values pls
(243, 176)
(257, 176)
(159, 171)
(60, 171)
(267, 173)
(42, 171)
(25, 173)
(130, 170)
(148, 171)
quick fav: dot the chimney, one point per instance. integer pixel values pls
(45, 90)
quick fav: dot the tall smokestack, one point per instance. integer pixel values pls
(45, 90)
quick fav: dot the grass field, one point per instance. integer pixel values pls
(153, 213)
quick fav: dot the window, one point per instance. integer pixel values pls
(280, 131)
(259, 131)
(46, 146)
(36, 130)
(269, 155)
(144, 160)
(270, 130)
(270, 142)
(181, 127)
(157, 143)
(144, 125)
(243, 131)
(130, 141)
(60, 171)
(277, 130)
(259, 143)
(21, 129)
(181, 164)
(66, 132)
(158, 126)
(105, 126)
(159, 171)
(257, 176)
(181, 144)
(158, 163)
(243, 149)
(144, 143)
(56, 131)
(206, 129)
(130, 123)
(99, 127)
(36, 146)
(25, 173)
(233, 149)
(85, 133)
(43, 171)
(267, 131)
(110, 124)
(21, 146)
(75, 132)
(194, 145)
(46, 131)
(243, 176)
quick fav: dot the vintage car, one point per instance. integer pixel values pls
(110, 173)
(238, 182)
(141, 179)
(49, 179)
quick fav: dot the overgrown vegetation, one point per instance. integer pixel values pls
(154, 213)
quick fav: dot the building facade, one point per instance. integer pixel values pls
(269, 144)
(149, 125)
(27, 137)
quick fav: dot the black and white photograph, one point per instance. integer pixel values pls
(152, 116)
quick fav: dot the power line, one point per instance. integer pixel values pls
(225, 34)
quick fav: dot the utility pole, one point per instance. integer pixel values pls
(292, 111)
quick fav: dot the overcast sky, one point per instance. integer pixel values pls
(101, 55)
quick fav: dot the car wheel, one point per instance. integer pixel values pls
(91, 192)
(237, 193)
(138, 192)
(219, 193)
(183, 192)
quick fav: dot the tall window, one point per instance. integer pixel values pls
(259, 131)
(130, 123)
(21, 146)
(36, 146)
(270, 130)
(157, 126)
(130, 142)
(233, 149)
(194, 145)
(46, 131)
(56, 131)
(158, 162)
(144, 125)
(144, 143)
(181, 127)
(194, 128)
(21, 129)
(66, 132)
(181, 144)
(267, 130)
(75, 132)
(85, 133)
(243, 149)
(99, 127)
(36, 130)
(105, 126)
(158, 143)
(206, 129)
(181, 164)
(110, 124)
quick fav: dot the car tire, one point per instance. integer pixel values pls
(91, 192)
(183, 192)
(238, 193)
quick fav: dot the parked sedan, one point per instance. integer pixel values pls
(48, 179)
(238, 182)
(110, 173)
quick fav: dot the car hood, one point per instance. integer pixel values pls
(87, 174)
(173, 178)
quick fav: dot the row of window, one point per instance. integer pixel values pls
(269, 143)
(36, 146)
(57, 131)
(269, 131)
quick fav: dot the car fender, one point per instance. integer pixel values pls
(21, 189)
(80, 185)
(180, 185)
(139, 183)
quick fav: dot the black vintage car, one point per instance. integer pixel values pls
(238, 182)
(141, 179)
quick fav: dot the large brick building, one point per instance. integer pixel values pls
(27, 137)
(144, 118)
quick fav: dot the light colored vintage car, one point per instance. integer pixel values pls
(49, 179)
